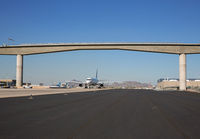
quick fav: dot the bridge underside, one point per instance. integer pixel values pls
(171, 48)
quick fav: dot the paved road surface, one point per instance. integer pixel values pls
(107, 114)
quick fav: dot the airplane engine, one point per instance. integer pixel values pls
(80, 85)
(100, 85)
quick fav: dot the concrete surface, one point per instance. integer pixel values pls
(5, 93)
(182, 72)
(19, 71)
(106, 114)
(172, 48)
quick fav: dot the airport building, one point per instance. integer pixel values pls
(7, 83)
(173, 83)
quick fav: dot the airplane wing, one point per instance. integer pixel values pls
(75, 82)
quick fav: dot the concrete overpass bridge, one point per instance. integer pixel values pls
(181, 49)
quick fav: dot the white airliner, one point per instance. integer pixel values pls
(92, 82)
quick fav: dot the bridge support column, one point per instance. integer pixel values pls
(19, 71)
(182, 72)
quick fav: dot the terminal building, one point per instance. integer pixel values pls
(173, 83)
(7, 83)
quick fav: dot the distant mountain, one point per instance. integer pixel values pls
(129, 84)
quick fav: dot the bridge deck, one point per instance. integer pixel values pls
(171, 48)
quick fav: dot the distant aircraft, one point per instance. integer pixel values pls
(92, 82)
(59, 85)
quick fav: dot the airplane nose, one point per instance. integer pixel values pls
(88, 82)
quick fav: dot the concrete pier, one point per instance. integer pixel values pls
(19, 71)
(182, 72)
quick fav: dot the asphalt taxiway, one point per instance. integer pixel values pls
(102, 114)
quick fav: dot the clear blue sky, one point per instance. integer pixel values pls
(58, 21)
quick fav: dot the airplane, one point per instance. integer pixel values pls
(92, 82)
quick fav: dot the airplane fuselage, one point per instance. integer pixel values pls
(92, 81)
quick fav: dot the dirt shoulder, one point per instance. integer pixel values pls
(6, 93)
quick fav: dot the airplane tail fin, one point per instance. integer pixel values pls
(97, 73)
(59, 84)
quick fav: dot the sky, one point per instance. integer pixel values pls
(92, 21)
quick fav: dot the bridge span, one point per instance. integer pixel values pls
(181, 49)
